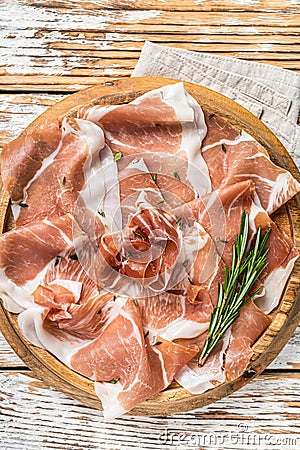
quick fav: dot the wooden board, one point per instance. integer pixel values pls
(285, 319)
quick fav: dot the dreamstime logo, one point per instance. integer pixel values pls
(134, 233)
(242, 436)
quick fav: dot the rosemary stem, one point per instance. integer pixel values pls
(239, 279)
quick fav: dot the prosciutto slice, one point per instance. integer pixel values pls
(165, 120)
(230, 358)
(247, 328)
(25, 253)
(172, 316)
(233, 156)
(24, 156)
(220, 214)
(196, 379)
(138, 368)
(125, 374)
(58, 175)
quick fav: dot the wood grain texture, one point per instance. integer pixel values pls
(284, 320)
(67, 44)
(264, 414)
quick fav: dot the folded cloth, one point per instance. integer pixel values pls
(269, 92)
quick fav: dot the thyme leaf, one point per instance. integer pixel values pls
(136, 233)
(117, 156)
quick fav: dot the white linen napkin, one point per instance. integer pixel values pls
(269, 92)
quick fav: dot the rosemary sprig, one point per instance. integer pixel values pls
(239, 278)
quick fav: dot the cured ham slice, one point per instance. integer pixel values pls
(165, 120)
(25, 253)
(220, 213)
(233, 156)
(84, 336)
(59, 176)
(196, 379)
(151, 255)
(172, 316)
(230, 358)
(245, 330)
(24, 156)
(135, 369)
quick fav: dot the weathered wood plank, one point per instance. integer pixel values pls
(8, 357)
(261, 414)
(67, 45)
(78, 81)
(172, 5)
(17, 111)
(109, 18)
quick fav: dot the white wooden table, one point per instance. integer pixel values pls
(51, 48)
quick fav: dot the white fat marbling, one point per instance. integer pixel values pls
(243, 137)
(196, 380)
(108, 394)
(73, 286)
(273, 287)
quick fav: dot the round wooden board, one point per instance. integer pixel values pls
(284, 319)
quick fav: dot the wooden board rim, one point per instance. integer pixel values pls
(174, 399)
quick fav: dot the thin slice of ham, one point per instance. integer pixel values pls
(24, 156)
(165, 120)
(171, 316)
(245, 330)
(233, 156)
(134, 370)
(141, 223)
(198, 379)
(25, 254)
(53, 188)
(229, 202)
(84, 337)
(230, 358)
